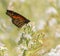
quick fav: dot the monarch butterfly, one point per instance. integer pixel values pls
(17, 19)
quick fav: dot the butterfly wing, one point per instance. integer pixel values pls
(19, 23)
(17, 19)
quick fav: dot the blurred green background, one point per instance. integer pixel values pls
(38, 37)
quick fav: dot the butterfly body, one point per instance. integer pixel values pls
(17, 19)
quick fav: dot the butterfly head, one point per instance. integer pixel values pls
(9, 13)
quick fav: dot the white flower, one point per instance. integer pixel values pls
(52, 22)
(57, 33)
(19, 51)
(41, 24)
(58, 47)
(27, 36)
(51, 10)
(55, 52)
(10, 7)
(3, 36)
(51, 54)
(3, 48)
(22, 0)
(30, 44)
(6, 54)
(23, 47)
